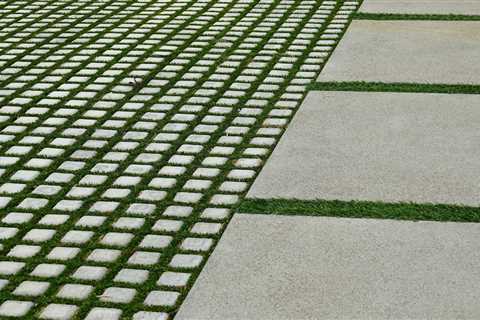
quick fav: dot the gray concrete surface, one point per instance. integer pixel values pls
(293, 267)
(407, 51)
(390, 147)
(464, 7)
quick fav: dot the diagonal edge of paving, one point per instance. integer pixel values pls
(443, 52)
(262, 269)
(391, 147)
(463, 7)
(286, 267)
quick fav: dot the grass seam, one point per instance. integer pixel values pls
(395, 87)
(362, 209)
(421, 17)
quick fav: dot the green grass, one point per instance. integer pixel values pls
(362, 209)
(395, 16)
(396, 87)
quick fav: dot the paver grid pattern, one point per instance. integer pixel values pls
(128, 132)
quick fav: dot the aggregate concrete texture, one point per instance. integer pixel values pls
(407, 51)
(293, 267)
(372, 146)
(463, 7)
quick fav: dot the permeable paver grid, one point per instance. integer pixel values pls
(128, 132)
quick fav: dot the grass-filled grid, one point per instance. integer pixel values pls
(129, 131)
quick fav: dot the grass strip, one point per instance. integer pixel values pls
(361, 209)
(401, 16)
(396, 87)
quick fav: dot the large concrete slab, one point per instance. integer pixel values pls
(407, 51)
(291, 267)
(392, 147)
(464, 7)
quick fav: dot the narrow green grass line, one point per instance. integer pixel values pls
(361, 209)
(396, 16)
(396, 87)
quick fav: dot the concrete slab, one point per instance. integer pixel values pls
(464, 7)
(391, 147)
(293, 267)
(407, 51)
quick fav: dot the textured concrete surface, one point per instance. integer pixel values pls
(293, 267)
(465, 7)
(407, 51)
(378, 146)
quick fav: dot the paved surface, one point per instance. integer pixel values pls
(464, 7)
(128, 130)
(377, 146)
(407, 51)
(292, 267)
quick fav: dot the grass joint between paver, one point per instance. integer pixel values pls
(401, 16)
(395, 87)
(362, 209)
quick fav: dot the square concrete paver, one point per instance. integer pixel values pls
(372, 146)
(293, 267)
(407, 51)
(464, 7)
